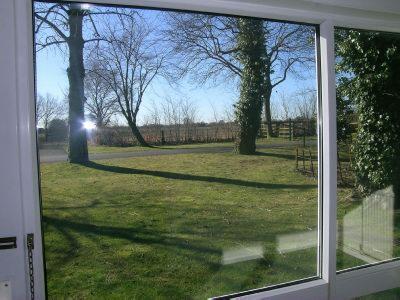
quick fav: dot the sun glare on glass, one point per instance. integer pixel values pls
(89, 125)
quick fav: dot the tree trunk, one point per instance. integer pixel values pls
(136, 133)
(251, 41)
(78, 150)
(267, 110)
(46, 131)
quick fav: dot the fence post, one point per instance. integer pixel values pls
(162, 137)
(297, 158)
(340, 167)
(311, 164)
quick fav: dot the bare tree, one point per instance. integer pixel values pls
(189, 116)
(287, 109)
(154, 114)
(152, 119)
(129, 63)
(62, 25)
(306, 104)
(206, 47)
(289, 48)
(229, 114)
(275, 111)
(229, 118)
(100, 101)
(47, 108)
(216, 119)
(173, 115)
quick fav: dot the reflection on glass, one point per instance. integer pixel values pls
(368, 122)
(367, 230)
(178, 152)
(298, 241)
(243, 253)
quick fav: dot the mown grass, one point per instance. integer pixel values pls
(157, 227)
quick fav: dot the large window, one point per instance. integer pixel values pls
(368, 119)
(179, 152)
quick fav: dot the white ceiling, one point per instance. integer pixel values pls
(383, 6)
(368, 14)
(391, 6)
(365, 14)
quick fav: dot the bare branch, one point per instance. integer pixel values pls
(52, 25)
(129, 63)
(49, 43)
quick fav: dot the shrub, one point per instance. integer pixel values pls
(57, 131)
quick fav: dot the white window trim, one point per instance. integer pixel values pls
(329, 154)
(313, 290)
(331, 285)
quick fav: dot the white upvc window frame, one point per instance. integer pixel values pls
(331, 285)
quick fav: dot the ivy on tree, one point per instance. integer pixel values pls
(251, 42)
(373, 62)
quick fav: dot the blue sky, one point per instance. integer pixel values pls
(52, 78)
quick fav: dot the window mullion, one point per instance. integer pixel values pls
(329, 154)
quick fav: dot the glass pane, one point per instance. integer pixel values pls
(368, 118)
(178, 152)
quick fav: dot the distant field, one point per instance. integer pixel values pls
(264, 141)
(110, 149)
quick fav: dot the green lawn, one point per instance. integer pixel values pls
(158, 228)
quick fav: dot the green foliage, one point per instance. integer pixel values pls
(58, 130)
(344, 111)
(251, 42)
(372, 63)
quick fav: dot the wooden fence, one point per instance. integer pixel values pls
(195, 133)
(305, 162)
(290, 128)
(161, 135)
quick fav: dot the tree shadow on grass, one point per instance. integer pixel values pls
(71, 250)
(287, 156)
(180, 176)
(93, 204)
(277, 155)
(175, 246)
(135, 235)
